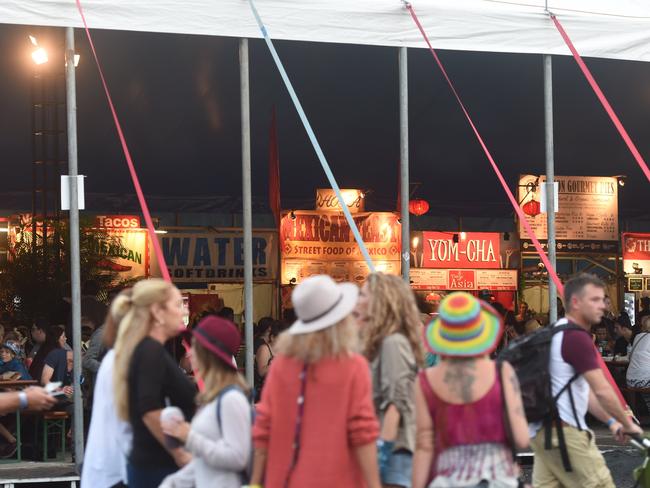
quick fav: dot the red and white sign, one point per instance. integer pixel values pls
(636, 253)
(476, 250)
(464, 279)
(117, 221)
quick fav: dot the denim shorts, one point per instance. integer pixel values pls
(398, 472)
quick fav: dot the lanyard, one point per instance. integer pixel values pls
(299, 418)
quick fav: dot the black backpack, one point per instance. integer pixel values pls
(530, 357)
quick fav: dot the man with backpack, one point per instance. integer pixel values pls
(565, 450)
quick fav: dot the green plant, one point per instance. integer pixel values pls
(35, 280)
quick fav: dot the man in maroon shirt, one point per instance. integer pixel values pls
(573, 353)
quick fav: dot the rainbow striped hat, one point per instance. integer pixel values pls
(465, 327)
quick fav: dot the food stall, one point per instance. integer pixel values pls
(482, 263)
(320, 241)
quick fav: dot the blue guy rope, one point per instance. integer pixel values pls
(312, 138)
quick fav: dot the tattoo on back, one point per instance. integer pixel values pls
(460, 376)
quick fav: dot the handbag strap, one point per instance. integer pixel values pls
(299, 419)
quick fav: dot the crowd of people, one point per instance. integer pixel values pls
(347, 395)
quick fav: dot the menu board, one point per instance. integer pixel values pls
(464, 279)
(587, 207)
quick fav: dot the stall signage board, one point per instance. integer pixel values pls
(464, 279)
(124, 252)
(477, 250)
(588, 208)
(323, 243)
(636, 253)
(216, 257)
(117, 221)
(327, 201)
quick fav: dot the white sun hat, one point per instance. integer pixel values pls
(319, 302)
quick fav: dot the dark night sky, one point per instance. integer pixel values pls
(178, 100)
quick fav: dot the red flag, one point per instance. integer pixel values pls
(274, 171)
(399, 187)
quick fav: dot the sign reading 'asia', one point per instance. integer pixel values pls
(475, 250)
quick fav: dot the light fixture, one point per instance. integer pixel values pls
(4, 229)
(454, 238)
(39, 55)
(292, 281)
(418, 206)
(463, 236)
(620, 179)
(532, 207)
(506, 236)
(415, 242)
(292, 215)
(160, 231)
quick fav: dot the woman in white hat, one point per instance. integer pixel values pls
(316, 424)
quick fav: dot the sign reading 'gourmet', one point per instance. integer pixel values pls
(476, 250)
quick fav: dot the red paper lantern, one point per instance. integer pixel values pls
(418, 207)
(531, 207)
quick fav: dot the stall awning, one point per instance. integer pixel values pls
(600, 28)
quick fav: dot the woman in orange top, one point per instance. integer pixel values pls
(316, 424)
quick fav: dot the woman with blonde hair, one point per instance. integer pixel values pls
(146, 378)
(219, 437)
(315, 425)
(392, 344)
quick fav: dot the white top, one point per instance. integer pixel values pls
(574, 346)
(561, 373)
(218, 457)
(109, 438)
(639, 368)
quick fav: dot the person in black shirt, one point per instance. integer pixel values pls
(263, 353)
(624, 331)
(146, 378)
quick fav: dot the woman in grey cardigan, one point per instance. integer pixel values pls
(391, 326)
(219, 438)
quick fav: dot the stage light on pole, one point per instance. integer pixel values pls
(39, 55)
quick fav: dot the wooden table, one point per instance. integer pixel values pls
(16, 384)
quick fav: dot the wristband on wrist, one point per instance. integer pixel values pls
(22, 398)
(611, 421)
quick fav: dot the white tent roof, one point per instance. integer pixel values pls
(617, 29)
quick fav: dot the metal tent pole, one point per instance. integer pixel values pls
(75, 273)
(550, 177)
(246, 198)
(404, 161)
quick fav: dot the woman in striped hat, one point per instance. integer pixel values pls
(462, 438)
